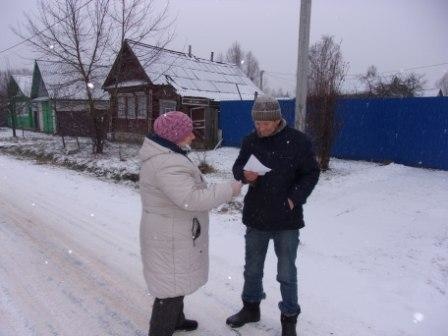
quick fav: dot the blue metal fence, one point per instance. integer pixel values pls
(235, 119)
(411, 131)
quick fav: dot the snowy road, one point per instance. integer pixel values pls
(70, 262)
(373, 259)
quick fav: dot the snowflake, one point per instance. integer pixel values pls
(418, 317)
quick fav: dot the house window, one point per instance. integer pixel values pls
(141, 105)
(150, 104)
(131, 106)
(167, 106)
(121, 107)
(22, 109)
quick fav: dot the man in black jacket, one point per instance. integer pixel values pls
(273, 209)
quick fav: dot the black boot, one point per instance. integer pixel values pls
(185, 325)
(165, 314)
(289, 325)
(249, 313)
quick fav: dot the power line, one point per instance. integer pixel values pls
(359, 74)
(281, 73)
(285, 80)
(43, 30)
(419, 67)
(290, 81)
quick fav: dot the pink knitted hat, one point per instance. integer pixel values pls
(173, 126)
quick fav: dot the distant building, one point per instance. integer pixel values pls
(19, 102)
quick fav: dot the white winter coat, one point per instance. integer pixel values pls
(173, 193)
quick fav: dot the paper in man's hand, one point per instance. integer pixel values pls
(254, 165)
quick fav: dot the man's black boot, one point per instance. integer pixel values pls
(249, 313)
(185, 325)
(289, 325)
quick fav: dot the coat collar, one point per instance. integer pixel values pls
(166, 143)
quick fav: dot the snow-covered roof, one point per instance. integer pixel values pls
(192, 76)
(128, 83)
(434, 92)
(63, 82)
(24, 83)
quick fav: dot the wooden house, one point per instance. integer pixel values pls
(59, 99)
(19, 102)
(146, 81)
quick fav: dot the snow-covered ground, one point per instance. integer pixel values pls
(119, 161)
(373, 258)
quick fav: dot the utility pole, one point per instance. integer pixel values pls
(302, 65)
(261, 79)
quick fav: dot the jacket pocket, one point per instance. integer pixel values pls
(287, 208)
(284, 212)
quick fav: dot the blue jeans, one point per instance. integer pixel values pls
(286, 243)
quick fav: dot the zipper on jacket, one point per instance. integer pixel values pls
(195, 230)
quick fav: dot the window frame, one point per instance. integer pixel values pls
(163, 108)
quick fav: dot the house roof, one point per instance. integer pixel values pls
(62, 82)
(24, 83)
(192, 76)
(434, 92)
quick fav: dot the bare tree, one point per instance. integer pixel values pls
(4, 101)
(370, 79)
(409, 85)
(442, 84)
(251, 68)
(247, 62)
(76, 35)
(220, 58)
(235, 54)
(393, 86)
(326, 75)
(137, 20)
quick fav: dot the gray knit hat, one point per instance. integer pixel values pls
(266, 109)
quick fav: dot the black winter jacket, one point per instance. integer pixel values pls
(294, 175)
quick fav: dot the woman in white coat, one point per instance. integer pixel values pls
(174, 224)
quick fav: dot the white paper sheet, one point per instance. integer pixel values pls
(254, 165)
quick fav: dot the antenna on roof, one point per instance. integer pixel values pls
(211, 56)
(189, 50)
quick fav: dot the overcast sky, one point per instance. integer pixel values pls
(394, 35)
